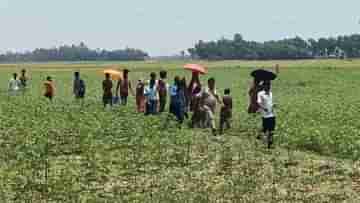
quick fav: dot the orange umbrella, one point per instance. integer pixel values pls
(115, 75)
(196, 68)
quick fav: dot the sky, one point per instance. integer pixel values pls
(165, 27)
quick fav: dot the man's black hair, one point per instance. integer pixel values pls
(153, 75)
(163, 74)
(211, 80)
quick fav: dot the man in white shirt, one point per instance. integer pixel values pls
(14, 84)
(265, 101)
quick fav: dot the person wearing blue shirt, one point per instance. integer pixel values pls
(152, 96)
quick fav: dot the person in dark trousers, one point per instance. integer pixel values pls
(78, 86)
(265, 102)
(152, 96)
(187, 98)
(123, 87)
(181, 94)
(173, 92)
(107, 86)
(178, 100)
(23, 80)
(226, 111)
(163, 91)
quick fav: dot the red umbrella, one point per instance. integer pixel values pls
(196, 68)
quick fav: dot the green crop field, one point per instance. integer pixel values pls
(70, 152)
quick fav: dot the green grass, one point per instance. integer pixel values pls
(67, 152)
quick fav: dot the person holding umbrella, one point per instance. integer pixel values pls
(265, 103)
(193, 86)
(195, 82)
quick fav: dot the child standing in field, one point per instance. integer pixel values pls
(107, 86)
(78, 86)
(163, 88)
(152, 96)
(265, 101)
(23, 80)
(123, 87)
(226, 111)
(140, 96)
(14, 85)
(49, 88)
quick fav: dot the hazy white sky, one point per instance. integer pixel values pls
(164, 27)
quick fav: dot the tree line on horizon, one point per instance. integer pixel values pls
(74, 53)
(347, 46)
(290, 48)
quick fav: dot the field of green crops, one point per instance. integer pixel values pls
(70, 152)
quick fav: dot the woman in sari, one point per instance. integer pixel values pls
(193, 88)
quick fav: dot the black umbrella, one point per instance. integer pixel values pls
(262, 74)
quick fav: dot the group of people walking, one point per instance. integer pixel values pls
(184, 98)
(154, 95)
